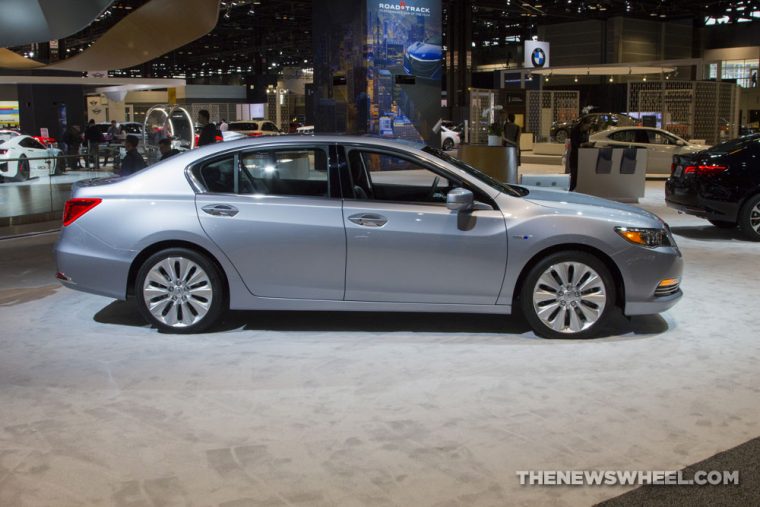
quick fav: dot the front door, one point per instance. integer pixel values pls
(404, 245)
(273, 213)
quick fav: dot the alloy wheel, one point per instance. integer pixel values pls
(569, 297)
(177, 292)
(754, 218)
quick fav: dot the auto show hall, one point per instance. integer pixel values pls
(373, 409)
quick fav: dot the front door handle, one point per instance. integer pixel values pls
(368, 219)
(221, 210)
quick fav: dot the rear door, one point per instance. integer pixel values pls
(404, 245)
(278, 218)
(662, 147)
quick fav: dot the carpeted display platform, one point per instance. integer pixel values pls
(745, 458)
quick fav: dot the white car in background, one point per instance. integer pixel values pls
(450, 136)
(660, 144)
(254, 128)
(23, 157)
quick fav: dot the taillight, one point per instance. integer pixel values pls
(3, 152)
(672, 168)
(704, 169)
(75, 208)
(255, 134)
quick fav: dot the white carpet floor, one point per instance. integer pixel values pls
(352, 410)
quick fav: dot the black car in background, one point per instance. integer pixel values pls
(721, 184)
(560, 131)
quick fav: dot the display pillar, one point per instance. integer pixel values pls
(378, 68)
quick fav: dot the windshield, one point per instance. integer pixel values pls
(735, 144)
(488, 180)
(435, 40)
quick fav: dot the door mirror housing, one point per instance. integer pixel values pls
(460, 199)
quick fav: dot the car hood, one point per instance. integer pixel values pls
(425, 51)
(568, 203)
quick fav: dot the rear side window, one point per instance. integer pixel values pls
(296, 172)
(218, 176)
(625, 136)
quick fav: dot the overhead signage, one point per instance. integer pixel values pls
(536, 54)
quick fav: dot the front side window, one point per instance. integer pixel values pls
(387, 177)
(660, 138)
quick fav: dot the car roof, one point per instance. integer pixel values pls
(284, 140)
(634, 127)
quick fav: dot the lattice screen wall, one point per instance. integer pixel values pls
(217, 111)
(480, 100)
(693, 110)
(545, 107)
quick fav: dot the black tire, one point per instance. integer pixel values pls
(589, 304)
(749, 218)
(60, 166)
(24, 170)
(218, 299)
(723, 224)
(560, 136)
(448, 144)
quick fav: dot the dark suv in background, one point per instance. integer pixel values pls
(720, 184)
(599, 121)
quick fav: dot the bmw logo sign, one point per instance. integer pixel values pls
(538, 57)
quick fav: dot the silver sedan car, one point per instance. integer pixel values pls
(340, 223)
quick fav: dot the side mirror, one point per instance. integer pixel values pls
(460, 199)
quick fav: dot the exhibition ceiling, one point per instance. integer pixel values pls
(277, 33)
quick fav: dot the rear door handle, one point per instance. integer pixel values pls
(221, 210)
(368, 220)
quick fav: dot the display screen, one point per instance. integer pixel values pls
(405, 64)
(8, 113)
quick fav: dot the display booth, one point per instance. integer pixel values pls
(613, 173)
(167, 121)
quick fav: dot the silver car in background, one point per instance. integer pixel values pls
(336, 223)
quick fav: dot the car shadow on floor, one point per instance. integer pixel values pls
(708, 233)
(125, 314)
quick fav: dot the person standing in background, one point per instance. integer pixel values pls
(579, 134)
(73, 139)
(208, 129)
(133, 161)
(510, 134)
(223, 126)
(112, 135)
(165, 147)
(93, 138)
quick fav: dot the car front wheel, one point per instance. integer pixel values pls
(749, 218)
(560, 136)
(568, 295)
(180, 291)
(448, 144)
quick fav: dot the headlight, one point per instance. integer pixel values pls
(650, 238)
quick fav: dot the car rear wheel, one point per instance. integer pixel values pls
(24, 171)
(749, 218)
(180, 291)
(448, 144)
(568, 295)
(560, 136)
(723, 224)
